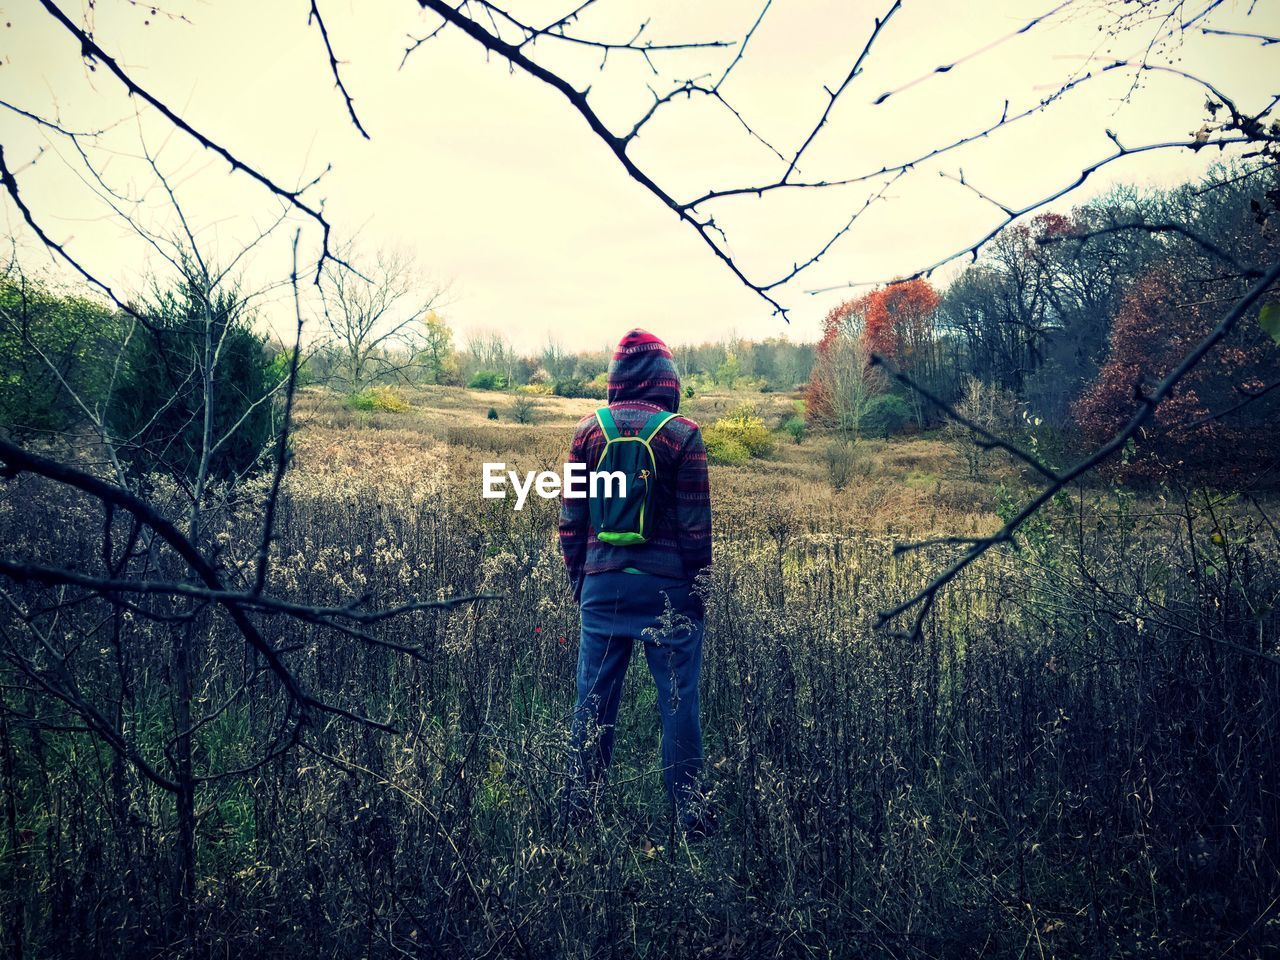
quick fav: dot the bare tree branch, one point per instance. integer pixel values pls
(1011, 214)
(989, 438)
(617, 144)
(92, 51)
(834, 95)
(333, 65)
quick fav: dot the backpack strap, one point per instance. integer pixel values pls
(605, 418)
(655, 423)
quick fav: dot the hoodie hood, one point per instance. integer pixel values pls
(643, 369)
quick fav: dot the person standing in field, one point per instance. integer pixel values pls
(632, 561)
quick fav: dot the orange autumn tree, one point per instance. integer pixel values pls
(895, 322)
(899, 322)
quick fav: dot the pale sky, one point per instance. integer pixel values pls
(501, 192)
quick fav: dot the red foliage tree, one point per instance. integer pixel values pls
(1049, 225)
(895, 322)
(879, 335)
(1160, 320)
(899, 321)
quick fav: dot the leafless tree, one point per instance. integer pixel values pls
(992, 408)
(376, 315)
(492, 351)
(845, 375)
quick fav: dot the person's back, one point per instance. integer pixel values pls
(625, 589)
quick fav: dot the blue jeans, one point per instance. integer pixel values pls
(619, 609)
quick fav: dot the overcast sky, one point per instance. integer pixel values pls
(501, 192)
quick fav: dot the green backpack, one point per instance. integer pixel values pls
(627, 519)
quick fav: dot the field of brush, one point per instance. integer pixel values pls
(1077, 758)
(919, 485)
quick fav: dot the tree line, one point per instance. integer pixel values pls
(1053, 330)
(66, 355)
(1065, 319)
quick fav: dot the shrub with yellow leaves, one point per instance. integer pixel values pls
(381, 398)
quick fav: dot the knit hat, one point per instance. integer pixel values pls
(643, 369)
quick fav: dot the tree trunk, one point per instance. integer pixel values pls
(185, 798)
(16, 920)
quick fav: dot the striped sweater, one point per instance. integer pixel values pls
(642, 380)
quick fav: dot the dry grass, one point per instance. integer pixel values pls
(913, 485)
(1077, 759)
